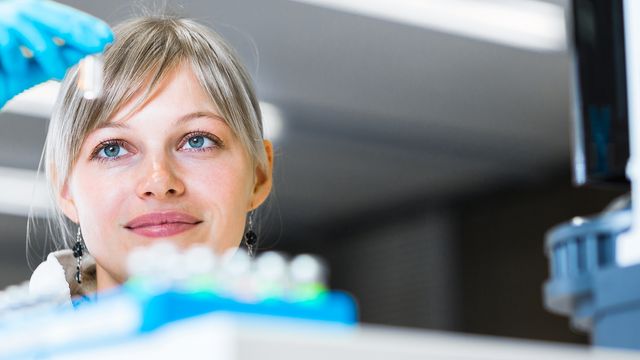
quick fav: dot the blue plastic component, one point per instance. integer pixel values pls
(158, 308)
(617, 308)
(141, 308)
(587, 284)
(170, 306)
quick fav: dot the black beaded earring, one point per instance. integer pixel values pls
(250, 237)
(78, 250)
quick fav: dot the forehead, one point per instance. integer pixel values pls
(178, 95)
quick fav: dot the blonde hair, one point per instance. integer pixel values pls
(145, 51)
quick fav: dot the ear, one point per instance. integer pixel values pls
(66, 203)
(263, 178)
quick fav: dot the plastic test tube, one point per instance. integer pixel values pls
(90, 79)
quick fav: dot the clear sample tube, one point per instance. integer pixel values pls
(308, 277)
(90, 71)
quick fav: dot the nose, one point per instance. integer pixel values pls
(160, 180)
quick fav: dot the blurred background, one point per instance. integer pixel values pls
(423, 154)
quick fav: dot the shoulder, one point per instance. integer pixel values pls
(56, 276)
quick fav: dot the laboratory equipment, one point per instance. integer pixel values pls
(162, 314)
(167, 285)
(595, 262)
(90, 76)
(600, 128)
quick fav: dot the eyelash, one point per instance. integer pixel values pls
(216, 140)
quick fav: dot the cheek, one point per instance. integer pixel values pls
(99, 201)
(223, 190)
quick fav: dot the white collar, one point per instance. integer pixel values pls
(55, 277)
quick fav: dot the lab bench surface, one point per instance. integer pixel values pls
(231, 337)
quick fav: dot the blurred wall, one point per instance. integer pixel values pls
(402, 273)
(13, 261)
(502, 262)
(474, 264)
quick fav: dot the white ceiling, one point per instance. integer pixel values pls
(375, 112)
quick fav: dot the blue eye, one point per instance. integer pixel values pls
(196, 141)
(200, 142)
(112, 151)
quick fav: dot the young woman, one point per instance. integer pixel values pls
(171, 150)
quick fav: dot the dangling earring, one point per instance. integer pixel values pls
(250, 237)
(78, 249)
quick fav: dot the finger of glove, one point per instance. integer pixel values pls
(16, 84)
(45, 51)
(76, 28)
(11, 58)
(13, 83)
(4, 97)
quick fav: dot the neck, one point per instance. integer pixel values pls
(104, 280)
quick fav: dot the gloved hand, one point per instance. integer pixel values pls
(34, 24)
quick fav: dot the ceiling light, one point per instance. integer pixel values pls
(271, 121)
(27, 189)
(37, 101)
(528, 24)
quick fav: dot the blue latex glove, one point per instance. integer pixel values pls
(33, 24)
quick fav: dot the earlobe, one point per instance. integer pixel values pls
(264, 178)
(66, 203)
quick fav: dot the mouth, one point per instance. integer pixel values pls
(162, 224)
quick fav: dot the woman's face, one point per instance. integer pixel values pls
(171, 170)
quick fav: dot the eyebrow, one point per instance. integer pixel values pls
(182, 119)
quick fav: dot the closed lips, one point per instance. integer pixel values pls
(155, 219)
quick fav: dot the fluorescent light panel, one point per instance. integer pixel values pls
(21, 190)
(37, 101)
(527, 24)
